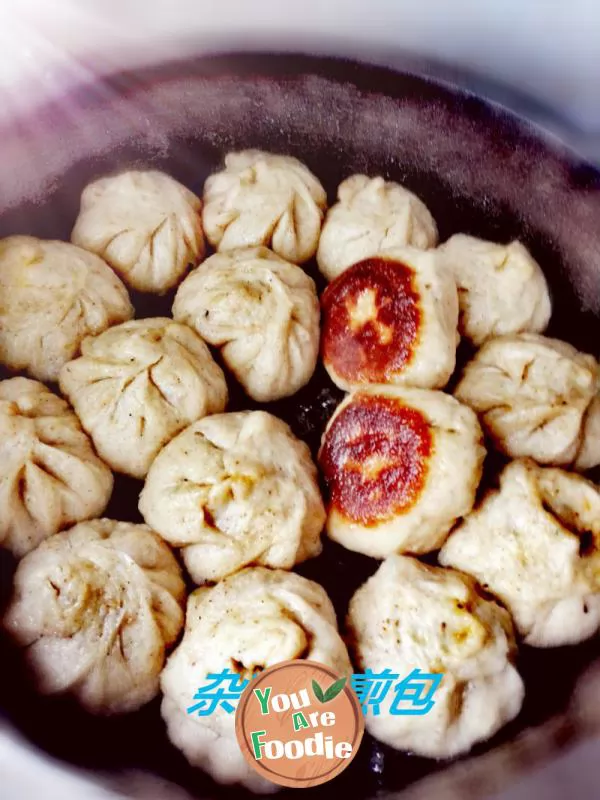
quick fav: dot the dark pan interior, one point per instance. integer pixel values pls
(479, 169)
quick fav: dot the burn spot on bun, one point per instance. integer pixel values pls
(375, 458)
(371, 321)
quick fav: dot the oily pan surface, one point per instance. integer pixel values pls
(479, 170)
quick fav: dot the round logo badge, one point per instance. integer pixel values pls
(299, 723)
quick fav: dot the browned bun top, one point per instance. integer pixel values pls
(375, 458)
(371, 318)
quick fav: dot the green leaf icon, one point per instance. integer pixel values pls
(331, 693)
(318, 692)
(334, 690)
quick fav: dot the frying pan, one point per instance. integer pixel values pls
(479, 169)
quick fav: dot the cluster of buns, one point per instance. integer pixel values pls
(403, 460)
(98, 602)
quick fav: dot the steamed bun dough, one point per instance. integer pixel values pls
(536, 397)
(53, 295)
(372, 215)
(95, 608)
(401, 465)
(264, 199)
(411, 616)
(50, 476)
(137, 385)
(146, 225)
(262, 312)
(246, 623)
(391, 319)
(502, 289)
(233, 490)
(535, 544)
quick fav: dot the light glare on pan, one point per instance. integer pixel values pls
(38, 40)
